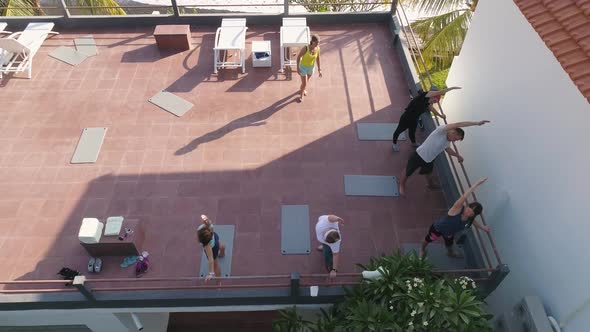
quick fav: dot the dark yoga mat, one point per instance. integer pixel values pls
(295, 237)
(226, 236)
(370, 185)
(378, 131)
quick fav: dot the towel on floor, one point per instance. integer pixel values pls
(129, 260)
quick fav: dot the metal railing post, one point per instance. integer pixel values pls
(64, 8)
(175, 8)
(295, 283)
(286, 7)
(393, 6)
(79, 284)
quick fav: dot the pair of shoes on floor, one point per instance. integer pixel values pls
(94, 265)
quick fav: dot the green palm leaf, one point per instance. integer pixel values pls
(443, 36)
(21, 8)
(100, 11)
(434, 7)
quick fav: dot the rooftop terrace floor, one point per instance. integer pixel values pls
(246, 148)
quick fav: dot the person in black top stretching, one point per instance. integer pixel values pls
(420, 104)
(459, 217)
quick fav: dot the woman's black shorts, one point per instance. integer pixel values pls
(433, 234)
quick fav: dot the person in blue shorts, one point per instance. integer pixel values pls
(306, 60)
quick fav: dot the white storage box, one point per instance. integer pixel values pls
(113, 227)
(90, 231)
(261, 54)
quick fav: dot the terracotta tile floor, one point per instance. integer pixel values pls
(244, 149)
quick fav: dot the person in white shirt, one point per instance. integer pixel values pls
(328, 234)
(437, 142)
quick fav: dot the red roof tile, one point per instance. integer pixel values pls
(564, 26)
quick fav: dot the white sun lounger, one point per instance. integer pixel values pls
(18, 50)
(294, 33)
(233, 22)
(2, 27)
(230, 36)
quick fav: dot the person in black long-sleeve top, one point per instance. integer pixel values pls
(409, 120)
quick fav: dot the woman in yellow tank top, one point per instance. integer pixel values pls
(306, 60)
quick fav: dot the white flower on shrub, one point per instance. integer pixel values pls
(465, 281)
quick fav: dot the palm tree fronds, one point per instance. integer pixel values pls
(428, 27)
(20, 8)
(100, 11)
(338, 5)
(446, 43)
(434, 6)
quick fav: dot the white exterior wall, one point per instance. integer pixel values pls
(535, 155)
(96, 321)
(119, 320)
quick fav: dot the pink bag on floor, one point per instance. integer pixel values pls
(142, 265)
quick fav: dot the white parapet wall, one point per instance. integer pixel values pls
(120, 319)
(535, 154)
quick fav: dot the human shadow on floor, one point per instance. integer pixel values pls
(250, 120)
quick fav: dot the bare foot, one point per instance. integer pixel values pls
(305, 92)
(320, 247)
(402, 191)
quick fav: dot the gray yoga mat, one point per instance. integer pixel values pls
(378, 131)
(89, 145)
(370, 185)
(226, 236)
(171, 103)
(295, 238)
(437, 255)
(68, 55)
(86, 45)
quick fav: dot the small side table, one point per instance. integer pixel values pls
(113, 246)
(261, 53)
(176, 37)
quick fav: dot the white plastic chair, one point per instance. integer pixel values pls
(18, 50)
(2, 27)
(230, 36)
(294, 33)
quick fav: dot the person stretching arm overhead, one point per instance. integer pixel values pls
(459, 217)
(437, 142)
